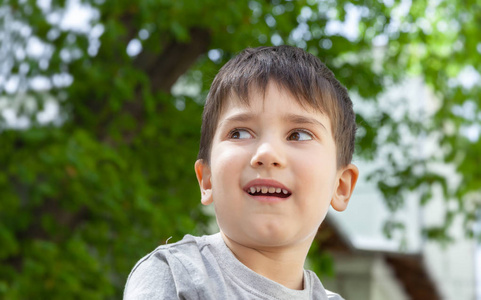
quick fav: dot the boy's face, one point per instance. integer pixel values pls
(273, 173)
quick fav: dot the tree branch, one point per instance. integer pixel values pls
(175, 60)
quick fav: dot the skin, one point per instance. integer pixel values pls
(273, 138)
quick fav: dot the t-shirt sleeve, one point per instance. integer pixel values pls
(151, 278)
(333, 296)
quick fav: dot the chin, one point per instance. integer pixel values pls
(270, 236)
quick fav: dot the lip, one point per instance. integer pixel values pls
(270, 183)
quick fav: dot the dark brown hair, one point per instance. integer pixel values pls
(294, 70)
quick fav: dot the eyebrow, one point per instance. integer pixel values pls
(291, 118)
(241, 117)
(298, 119)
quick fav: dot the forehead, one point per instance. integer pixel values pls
(273, 102)
(258, 98)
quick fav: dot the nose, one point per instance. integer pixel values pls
(268, 154)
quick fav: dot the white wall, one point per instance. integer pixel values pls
(452, 267)
(364, 277)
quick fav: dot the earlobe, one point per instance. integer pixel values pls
(203, 173)
(347, 179)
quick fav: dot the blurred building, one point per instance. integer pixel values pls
(370, 266)
(374, 274)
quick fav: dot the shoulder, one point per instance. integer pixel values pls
(166, 256)
(333, 296)
(167, 271)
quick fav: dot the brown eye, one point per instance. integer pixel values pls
(238, 134)
(294, 136)
(299, 136)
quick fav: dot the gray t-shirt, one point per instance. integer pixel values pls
(204, 268)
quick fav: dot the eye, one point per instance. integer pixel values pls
(299, 135)
(240, 134)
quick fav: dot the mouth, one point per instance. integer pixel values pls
(261, 188)
(268, 191)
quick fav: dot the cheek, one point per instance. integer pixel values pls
(227, 163)
(316, 173)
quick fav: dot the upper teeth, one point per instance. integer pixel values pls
(267, 189)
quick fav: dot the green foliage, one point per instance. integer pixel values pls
(83, 198)
(77, 213)
(320, 261)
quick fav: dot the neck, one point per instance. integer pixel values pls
(284, 265)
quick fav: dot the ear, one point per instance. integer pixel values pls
(202, 171)
(347, 178)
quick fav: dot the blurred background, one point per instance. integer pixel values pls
(100, 114)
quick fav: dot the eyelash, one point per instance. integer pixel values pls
(303, 131)
(236, 130)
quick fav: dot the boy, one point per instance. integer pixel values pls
(276, 144)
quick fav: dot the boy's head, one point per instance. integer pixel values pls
(300, 73)
(277, 141)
